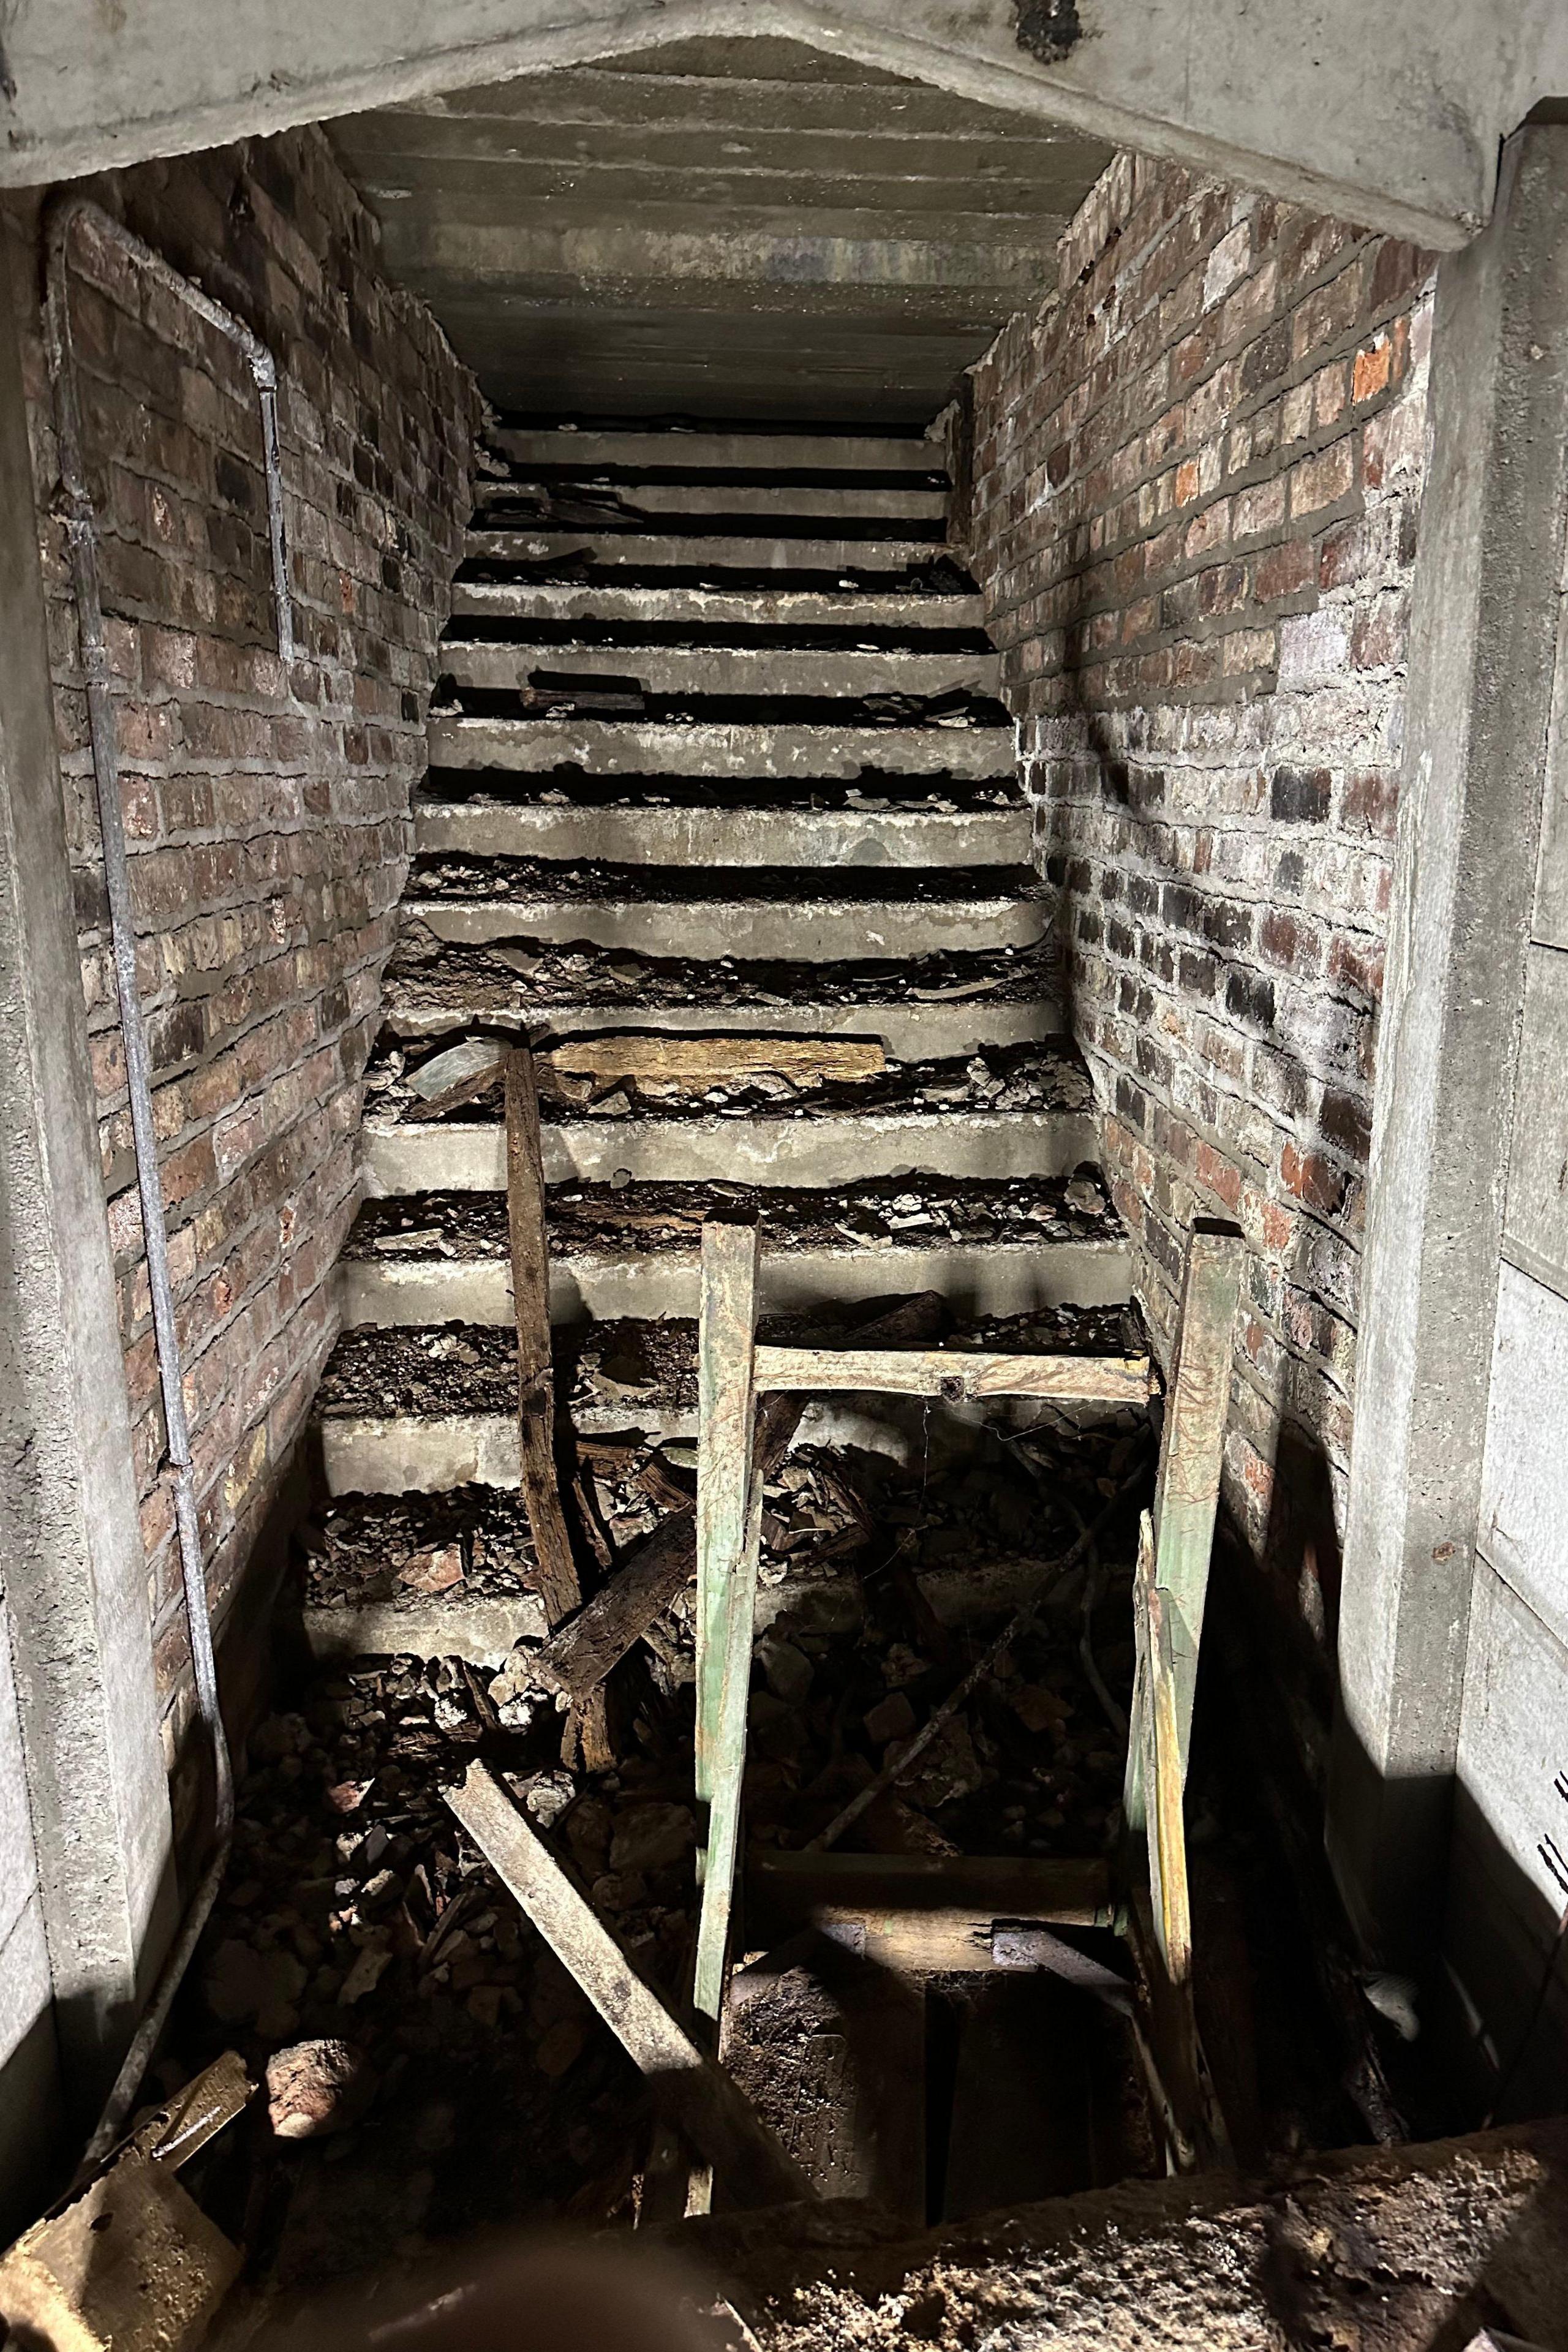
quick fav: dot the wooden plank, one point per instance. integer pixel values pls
(1162, 1769)
(709, 1061)
(729, 1523)
(954, 1375)
(1075, 1893)
(705, 2101)
(558, 1585)
(1186, 1494)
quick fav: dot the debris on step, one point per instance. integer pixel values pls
(825, 1082)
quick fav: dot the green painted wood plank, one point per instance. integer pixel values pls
(729, 1521)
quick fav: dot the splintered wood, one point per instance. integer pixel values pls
(1154, 1712)
(705, 2103)
(712, 1061)
(558, 1587)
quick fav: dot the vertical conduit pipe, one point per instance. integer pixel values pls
(82, 530)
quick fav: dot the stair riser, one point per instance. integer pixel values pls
(698, 551)
(1000, 1278)
(723, 670)
(912, 839)
(846, 502)
(404, 1454)
(910, 1032)
(776, 608)
(761, 453)
(818, 1152)
(767, 930)
(636, 747)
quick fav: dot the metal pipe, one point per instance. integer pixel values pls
(81, 531)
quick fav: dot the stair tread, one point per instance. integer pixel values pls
(616, 603)
(678, 449)
(819, 558)
(872, 794)
(725, 747)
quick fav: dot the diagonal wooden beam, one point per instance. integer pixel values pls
(706, 2104)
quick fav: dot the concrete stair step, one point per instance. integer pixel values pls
(825, 929)
(758, 911)
(846, 501)
(918, 838)
(666, 607)
(424, 1409)
(496, 666)
(990, 1249)
(664, 451)
(703, 552)
(928, 1009)
(694, 747)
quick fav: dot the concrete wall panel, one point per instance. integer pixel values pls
(1524, 1489)
(1536, 1226)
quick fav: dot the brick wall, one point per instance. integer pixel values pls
(1196, 479)
(267, 809)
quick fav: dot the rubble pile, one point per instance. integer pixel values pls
(1000, 1078)
(429, 976)
(356, 1923)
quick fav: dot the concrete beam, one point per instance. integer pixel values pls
(71, 1542)
(1485, 628)
(1391, 115)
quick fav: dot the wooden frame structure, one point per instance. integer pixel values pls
(732, 1372)
(1170, 1591)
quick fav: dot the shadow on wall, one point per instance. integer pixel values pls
(30, 2088)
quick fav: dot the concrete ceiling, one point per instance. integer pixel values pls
(720, 229)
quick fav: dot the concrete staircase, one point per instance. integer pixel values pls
(718, 750)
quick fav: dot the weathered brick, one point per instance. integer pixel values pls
(267, 814)
(1202, 655)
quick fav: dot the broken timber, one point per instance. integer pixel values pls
(1169, 1594)
(558, 1587)
(925, 1915)
(579, 1656)
(675, 1060)
(706, 2104)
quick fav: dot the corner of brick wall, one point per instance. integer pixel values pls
(1196, 482)
(266, 808)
